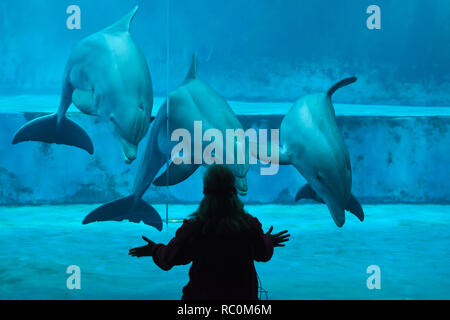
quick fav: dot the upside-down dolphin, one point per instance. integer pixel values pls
(106, 76)
(192, 101)
(310, 140)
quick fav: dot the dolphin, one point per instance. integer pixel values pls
(106, 76)
(310, 140)
(192, 101)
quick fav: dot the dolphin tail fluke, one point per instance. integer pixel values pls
(128, 208)
(47, 129)
(340, 84)
(354, 207)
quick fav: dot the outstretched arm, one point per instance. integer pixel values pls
(278, 238)
(263, 243)
(266, 242)
(144, 251)
(177, 252)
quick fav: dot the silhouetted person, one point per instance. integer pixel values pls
(221, 240)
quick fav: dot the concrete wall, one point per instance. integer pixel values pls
(251, 50)
(394, 159)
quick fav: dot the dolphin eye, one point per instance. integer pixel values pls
(112, 119)
(141, 106)
(319, 177)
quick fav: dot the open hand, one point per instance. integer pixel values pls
(278, 238)
(143, 251)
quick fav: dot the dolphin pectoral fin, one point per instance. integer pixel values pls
(126, 209)
(47, 129)
(340, 84)
(177, 173)
(306, 192)
(84, 100)
(354, 207)
(123, 25)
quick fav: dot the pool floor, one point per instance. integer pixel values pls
(409, 243)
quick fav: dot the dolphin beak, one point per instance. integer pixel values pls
(127, 159)
(337, 213)
(129, 151)
(242, 193)
(241, 185)
(130, 156)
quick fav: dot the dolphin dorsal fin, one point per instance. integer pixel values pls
(123, 25)
(192, 73)
(340, 84)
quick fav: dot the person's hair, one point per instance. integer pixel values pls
(221, 211)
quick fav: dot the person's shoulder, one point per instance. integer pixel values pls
(252, 221)
(189, 226)
(190, 220)
(191, 223)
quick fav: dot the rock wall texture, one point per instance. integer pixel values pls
(394, 159)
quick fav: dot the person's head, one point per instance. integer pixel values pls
(221, 210)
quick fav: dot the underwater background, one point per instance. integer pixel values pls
(261, 56)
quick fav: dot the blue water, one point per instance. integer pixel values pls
(408, 242)
(261, 55)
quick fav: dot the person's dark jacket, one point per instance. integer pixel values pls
(222, 266)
